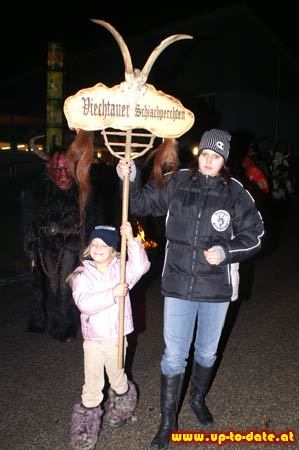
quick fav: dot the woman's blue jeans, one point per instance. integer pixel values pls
(179, 322)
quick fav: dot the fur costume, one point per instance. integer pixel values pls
(283, 180)
(53, 238)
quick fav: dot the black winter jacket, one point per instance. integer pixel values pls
(199, 215)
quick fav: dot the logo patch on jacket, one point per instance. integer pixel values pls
(220, 220)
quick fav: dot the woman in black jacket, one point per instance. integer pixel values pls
(211, 225)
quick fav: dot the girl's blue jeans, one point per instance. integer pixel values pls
(179, 322)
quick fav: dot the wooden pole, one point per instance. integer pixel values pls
(123, 253)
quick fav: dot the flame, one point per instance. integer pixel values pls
(141, 236)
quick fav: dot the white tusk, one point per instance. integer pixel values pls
(159, 49)
(33, 145)
(122, 45)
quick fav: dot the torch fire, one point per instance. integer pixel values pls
(141, 236)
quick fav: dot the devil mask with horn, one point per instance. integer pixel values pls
(56, 166)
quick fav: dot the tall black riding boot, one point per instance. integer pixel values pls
(171, 387)
(200, 381)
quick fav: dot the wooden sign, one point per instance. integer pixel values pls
(125, 108)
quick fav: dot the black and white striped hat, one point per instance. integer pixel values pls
(216, 140)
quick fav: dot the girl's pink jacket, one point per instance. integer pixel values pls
(92, 293)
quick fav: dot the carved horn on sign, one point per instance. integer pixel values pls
(122, 45)
(38, 152)
(159, 49)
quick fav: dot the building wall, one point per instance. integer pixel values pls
(262, 116)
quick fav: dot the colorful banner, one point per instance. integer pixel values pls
(54, 96)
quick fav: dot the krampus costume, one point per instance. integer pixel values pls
(283, 180)
(54, 234)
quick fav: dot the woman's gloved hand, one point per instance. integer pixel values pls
(214, 255)
(125, 167)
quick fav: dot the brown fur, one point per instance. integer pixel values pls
(80, 157)
(165, 160)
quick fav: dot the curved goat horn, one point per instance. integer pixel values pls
(33, 145)
(159, 49)
(122, 45)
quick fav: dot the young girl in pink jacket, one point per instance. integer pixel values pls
(96, 289)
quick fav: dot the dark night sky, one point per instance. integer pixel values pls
(24, 38)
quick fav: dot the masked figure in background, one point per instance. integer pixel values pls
(283, 179)
(57, 217)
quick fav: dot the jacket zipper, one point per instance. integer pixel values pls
(193, 257)
(195, 245)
